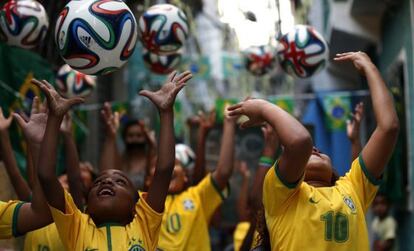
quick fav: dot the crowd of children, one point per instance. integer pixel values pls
(159, 196)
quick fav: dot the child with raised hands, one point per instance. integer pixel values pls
(303, 210)
(19, 217)
(116, 218)
(188, 210)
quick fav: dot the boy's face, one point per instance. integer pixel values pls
(112, 198)
(135, 135)
(319, 168)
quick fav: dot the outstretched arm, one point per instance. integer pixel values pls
(164, 100)
(380, 146)
(271, 144)
(58, 107)
(110, 156)
(20, 186)
(206, 123)
(36, 214)
(353, 130)
(72, 162)
(242, 203)
(292, 135)
(225, 164)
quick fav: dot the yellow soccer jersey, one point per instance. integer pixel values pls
(9, 211)
(79, 233)
(46, 238)
(303, 217)
(187, 215)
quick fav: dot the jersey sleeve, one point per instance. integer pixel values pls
(148, 220)
(364, 184)
(277, 192)
(211, 196)
(9, 212)
(70, 224)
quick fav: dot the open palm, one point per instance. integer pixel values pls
(34, 128)
(164, 98)
(58, 106)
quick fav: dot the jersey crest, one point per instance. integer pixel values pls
(350, 203)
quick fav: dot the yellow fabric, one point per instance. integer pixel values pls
(186, 217)
(78, 232)
(239, 234)
(304, 217)
(8, 218)
(46, 238)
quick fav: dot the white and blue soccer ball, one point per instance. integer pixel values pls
(71, 83)
(302, 52)
(160, 64)
(96, 36)
(163, 29)
(23, 23)
(259, 60)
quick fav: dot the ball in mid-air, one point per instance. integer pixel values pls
(161, 64)
(163, 29)
(23, 23)
(302, 52)
(259, 60)
(96, 36)
(71, 83)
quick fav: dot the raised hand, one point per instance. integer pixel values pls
(353, 125)
(57, 105)
(112, 120)
(244, 169)
(4, 122)
(33, 128)
(207, 121)
(252, 108)
(164, 98)
(360, 60)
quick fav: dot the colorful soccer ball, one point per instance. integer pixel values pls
(96, 36)
(71, 83)
(163, 29)
(259, 60)
(302, 52)
(23, 23)
(185, 155)
(161, 64)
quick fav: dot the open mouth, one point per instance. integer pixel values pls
(105, 191)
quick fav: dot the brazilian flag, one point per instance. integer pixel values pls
(221, 105)
(17, 68)
(286, 103)
(337, 108)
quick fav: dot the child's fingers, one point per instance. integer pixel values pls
(35, 105)
(179, 88)
(20, 121)
(47, 84)
(247, 124)
(171, 76)
(76, 101)
(234, 107)
(185, 79)
(236, 112)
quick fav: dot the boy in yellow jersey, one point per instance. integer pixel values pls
(116, 219)
(16, 217)
(303, 210)
(188, 211)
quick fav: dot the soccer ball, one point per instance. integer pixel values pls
(161, 64)
(71, 83)
(163, 29)
(259, 60)
(302, 52)
(23, 23)
(96, 36)
(185, 155)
